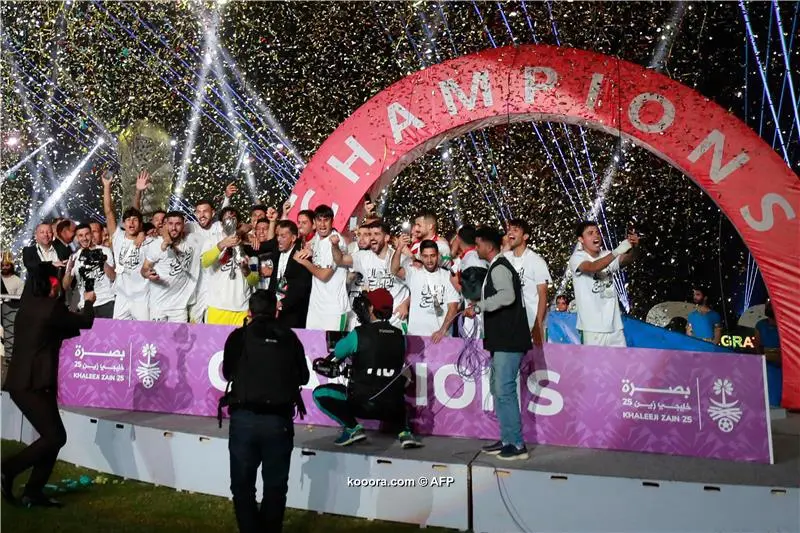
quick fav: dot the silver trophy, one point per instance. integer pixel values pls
(229, 226)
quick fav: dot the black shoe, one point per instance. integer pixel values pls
(494, 448)
(512, 453)
(7, 486)
(41, 501)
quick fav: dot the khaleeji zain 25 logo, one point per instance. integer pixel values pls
(148, 370)
(725, 413)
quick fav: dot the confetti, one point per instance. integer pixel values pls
(84, 70)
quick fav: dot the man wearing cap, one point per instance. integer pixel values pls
(378, 377)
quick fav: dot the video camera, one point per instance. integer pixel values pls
(93, 261)
(329, 366)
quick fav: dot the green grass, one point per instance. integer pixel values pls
(122, 506)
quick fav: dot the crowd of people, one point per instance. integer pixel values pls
(204, 270)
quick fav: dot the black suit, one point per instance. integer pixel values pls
(294, 306)
(41, 326)
(31, 260)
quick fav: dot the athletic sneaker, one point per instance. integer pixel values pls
(494, 448)
(349, 436)
(407, 440)
(512, 453)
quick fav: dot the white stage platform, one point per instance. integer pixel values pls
(558, 489)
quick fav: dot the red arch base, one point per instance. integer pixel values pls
(745, 177)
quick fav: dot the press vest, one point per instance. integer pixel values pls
(379, 360)
(506, 329)
(266, 377)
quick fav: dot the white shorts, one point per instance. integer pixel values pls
(176, 315)
(615, 338)
(327, 322)
(127, 309)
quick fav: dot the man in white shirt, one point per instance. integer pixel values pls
(426, 227)
(533, 275)
(374, 265)
(12, 284)
(126, 241)
(93, 269)
(355, 281)
(231, 281)
(329, 303)
(203, 235)
(434, 300)
(172, 266)
(469, 272)
(592, 268)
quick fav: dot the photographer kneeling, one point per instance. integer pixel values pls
(266, 364)
(378, 377)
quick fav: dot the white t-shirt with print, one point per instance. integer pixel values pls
(533, 271)
(595, 295)
(222, 292)
(129, 259)
(103, 287)
(328, 297)
(203, 240)
(425, 287)
(377, 274)
(178, 268)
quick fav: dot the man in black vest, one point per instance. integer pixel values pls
(267, 365)
(376, 387)
(507, 337)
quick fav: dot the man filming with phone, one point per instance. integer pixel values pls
(593, 269)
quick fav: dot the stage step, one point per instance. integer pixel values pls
(558, 489)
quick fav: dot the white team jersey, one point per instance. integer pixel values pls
(129, 260)
(328, 297)
(430, 294)
(595, 295)
(377, 274)
(178, 268)
(222, 291)
(103, 287)
(532, 271)
(203, 239)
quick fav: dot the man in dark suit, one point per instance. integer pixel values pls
(41, 325)
(65, 233)
(44, 251)
(290, 280)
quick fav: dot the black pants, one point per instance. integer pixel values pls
(265, 440)
(334, 402)
(105, 311)
(41, 410)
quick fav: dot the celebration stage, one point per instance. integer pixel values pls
(558, 489)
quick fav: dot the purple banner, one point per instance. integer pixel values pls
(658, 401)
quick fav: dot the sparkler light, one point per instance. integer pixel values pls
(66, 183)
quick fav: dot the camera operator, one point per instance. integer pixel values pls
(266, 364)
(41, 326)
(93, 268)
(377, 381)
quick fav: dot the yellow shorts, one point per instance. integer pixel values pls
(222, 317)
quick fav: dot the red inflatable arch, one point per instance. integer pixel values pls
(750, 183)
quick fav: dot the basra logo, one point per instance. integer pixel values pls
(148, 370)
(726, 414)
